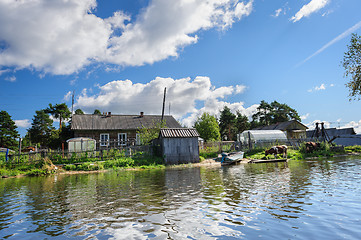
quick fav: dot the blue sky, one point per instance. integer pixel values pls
(119, 55)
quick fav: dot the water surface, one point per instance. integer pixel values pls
(318, 199)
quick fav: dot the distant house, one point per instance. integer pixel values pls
(333, 132)
(116, 129)
(293, 129)
(341, 136)
(179, 145)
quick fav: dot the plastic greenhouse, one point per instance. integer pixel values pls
(81, 144)
(262, 137)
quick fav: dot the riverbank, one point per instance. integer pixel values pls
(47, 167)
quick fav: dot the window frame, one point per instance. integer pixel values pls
(104, 143)
(122, 142)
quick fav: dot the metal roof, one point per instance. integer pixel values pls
(178, 133)
(280, 126)
(115, 122)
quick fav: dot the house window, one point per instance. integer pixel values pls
(122, 139)
(137, 139)
(104, 139)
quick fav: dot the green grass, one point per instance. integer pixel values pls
(324, 151)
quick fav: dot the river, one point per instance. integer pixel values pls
(311, 199)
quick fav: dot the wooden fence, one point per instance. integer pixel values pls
(63, 157)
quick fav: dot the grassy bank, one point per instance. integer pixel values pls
(324, 151)
(46, 167)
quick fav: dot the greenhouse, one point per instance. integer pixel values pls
(81, 144)
(262, 137)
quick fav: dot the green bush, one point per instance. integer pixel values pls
(350, 149)
(37, 172)
(70, 167)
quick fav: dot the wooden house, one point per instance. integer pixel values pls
(293, 129)
(179, 145)
(121, 130)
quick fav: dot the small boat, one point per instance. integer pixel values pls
(231, 158)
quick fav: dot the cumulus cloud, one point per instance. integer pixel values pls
(10, 79)
(25, 123)
(62, 37)
(309, 8)
(321, 87)
(187, 98)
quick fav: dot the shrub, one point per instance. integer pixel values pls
(37, 172)
(356, 148)
(70, 167)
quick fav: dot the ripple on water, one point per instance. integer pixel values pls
(297, 200)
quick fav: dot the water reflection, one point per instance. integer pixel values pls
(287, 200)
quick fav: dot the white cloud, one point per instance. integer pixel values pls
(4, 71)
(312, 125)
(25, 123)
(187, 98)
(304, 117)
(319, 88)
(11, 79)
(277, 12)
(309, 8)
(62, 37)
(355, 125)
(67, 96)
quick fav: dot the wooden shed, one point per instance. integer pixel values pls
(179, 145)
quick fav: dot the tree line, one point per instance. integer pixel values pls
(42, 131)
(230, 124)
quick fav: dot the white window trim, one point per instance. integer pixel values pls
(125, 140)
(104, 143)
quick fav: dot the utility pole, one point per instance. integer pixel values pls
(165, 90)
(72, 103)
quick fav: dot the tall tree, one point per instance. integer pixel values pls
(242, 122)
(8, 132)
(41, 128)
(227, 122)
(59, 111)
(79, 111)
(352, 65)
(207, 127)
(263, 115)
(272, 113)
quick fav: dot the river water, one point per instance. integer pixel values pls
(313, 199)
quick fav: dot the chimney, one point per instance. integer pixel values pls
(141, 114)
(109, 114)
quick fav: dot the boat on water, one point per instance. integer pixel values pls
(231, 158)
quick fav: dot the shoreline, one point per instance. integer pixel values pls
(206, 162)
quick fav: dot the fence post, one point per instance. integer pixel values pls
(101, 154)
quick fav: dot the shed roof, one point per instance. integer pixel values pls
(280, 126)
(178, 133)
(115, 122)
